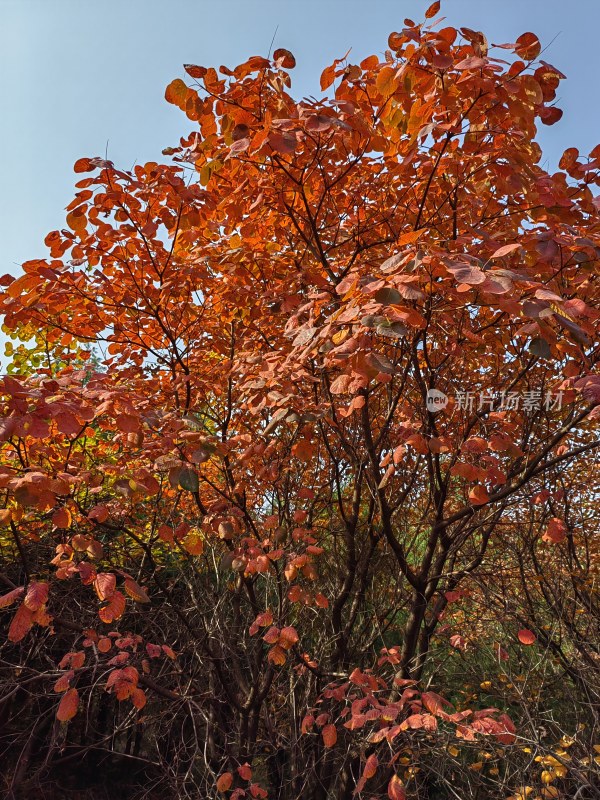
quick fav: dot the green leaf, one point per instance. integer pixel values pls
(188, 479)
(540, 347)
(388, 296)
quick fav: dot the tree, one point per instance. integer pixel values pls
(347, 341)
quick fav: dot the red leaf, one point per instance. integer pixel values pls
(67, 708)
(272, 635)
(550, 114)
(556, 532)
(464, 273)
(73, 660)
(508, 736)
(127, 423)
(526, 637)
(98, 513)
(168, 651)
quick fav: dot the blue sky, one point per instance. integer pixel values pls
(85, 77)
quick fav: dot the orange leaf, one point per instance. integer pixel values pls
(9, 598)
(433, 702)
(176, 92)
(67, 708)
(432, 10)
(327, 77)
(478, 496)
(277, 655)
(288, 637)
(329, 734)
(224, 782)
(195, 71)
(285, 58)
(21, 624)
(135, 591)
(371, 765)
(138, 698)
(528, 46)
(505, 250)
(193, 543)
(410, 237)
(307, 723)
(82, 165)
(64, 682)
(396, 790)
(114, 609)
(37, 594)
(105, 585)
(61, 518)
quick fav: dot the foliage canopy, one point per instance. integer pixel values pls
(242, 548)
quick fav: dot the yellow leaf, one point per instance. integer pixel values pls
(340, 336)
(193, 543)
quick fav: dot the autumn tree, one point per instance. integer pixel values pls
(342, 405)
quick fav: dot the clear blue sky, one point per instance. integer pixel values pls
(78, 74)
